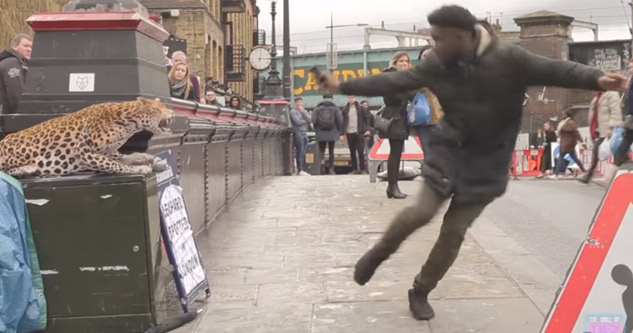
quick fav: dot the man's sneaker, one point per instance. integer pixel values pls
(303, 173)
(419, 304)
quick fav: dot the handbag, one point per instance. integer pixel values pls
(382, 125)
(418, 111)
(616, 140)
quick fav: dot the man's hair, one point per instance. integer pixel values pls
(423, 49)
(19, 38)
(453, 17)
(298, 99)
(364, 101)
(178, 53)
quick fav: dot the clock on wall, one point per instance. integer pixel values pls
(260, 58)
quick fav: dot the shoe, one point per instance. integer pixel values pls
(364, 172)
(331, 171)
(355, 172)
(419, 304)
(393, 191)
(303, 173)
(366, 266)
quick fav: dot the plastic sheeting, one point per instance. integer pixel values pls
(22, 302)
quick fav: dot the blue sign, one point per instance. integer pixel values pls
(180, 243)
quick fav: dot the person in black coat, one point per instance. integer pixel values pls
(549, 137)
(355, 132)
(396, 111)
(480, 81)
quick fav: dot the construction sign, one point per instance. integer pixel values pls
(412, 150)
(597, 295)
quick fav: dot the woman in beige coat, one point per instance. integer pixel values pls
(605, 113)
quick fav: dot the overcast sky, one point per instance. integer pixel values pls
(308, 18)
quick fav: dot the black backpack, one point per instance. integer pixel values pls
(326, 118)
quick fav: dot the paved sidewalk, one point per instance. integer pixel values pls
(281, 260)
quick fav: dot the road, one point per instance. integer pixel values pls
(549, 218)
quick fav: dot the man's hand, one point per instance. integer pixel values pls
(328, 83)
(343, 138)
(612, 81)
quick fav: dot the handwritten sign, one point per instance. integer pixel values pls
(181, 239)
(178, 236)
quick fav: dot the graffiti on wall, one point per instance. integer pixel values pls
(606, 59)
(606, 55)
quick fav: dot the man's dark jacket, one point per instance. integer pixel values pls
(362, 116)
(13, 70)
(482, 99)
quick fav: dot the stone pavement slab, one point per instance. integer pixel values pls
(281, 258)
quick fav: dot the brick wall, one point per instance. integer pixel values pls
(243, 26)
(202, 28)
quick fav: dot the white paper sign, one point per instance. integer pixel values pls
(81, 82)
(181, 238)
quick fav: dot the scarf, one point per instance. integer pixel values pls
(178, 89)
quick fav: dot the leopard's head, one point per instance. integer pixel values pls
(154, 116)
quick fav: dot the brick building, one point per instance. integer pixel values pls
(220, 35)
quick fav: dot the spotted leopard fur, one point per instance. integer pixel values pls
(86, 140)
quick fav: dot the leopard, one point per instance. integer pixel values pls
(87, 140)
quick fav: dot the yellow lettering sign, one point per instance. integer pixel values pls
(312, 83)
(300, 72)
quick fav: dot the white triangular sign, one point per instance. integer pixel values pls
(597, 295)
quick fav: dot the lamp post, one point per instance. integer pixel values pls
(287, 69)
(273, 85)
(331, 48)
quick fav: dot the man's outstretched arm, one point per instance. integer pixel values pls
(380, 84)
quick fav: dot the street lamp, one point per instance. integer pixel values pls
(273, 84)
(332, 59)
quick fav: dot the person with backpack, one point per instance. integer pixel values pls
(327, 120)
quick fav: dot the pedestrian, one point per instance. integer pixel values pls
(424, 131)
(355, 129)
(549, 137)
(480, 82)
(395, 111)
(605, 113)
(372, 121)
(179, 82)
(180, 57)
(327, 121)
(301, 124)
(235, 102)
(14, 64)
(568, 135)
(622, 155)
(210, 98)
